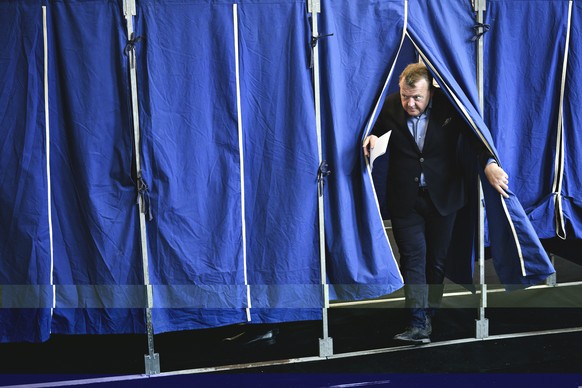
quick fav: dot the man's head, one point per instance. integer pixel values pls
(415, 88)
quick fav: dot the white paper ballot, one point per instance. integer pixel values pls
(380, 147)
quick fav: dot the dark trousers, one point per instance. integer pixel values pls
(423, 238)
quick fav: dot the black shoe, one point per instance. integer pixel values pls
(414, 335)
(428, 325)
(269, 338)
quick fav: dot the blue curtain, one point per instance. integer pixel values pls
(281, 161)
(25, 268)
(522, 95)
(356, 62)
(97, 261)
(192, 162)
(571, 192)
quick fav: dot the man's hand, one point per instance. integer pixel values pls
(498, 178)
(369, 143)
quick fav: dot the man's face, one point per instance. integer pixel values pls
(415, 98)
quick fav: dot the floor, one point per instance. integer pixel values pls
(534, 339)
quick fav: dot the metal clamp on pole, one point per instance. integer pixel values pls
(314, 40)
(322, 172)
(479, 5)
(314, 6)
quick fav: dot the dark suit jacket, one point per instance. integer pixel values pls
(438, 160)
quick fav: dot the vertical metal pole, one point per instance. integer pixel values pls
(482, 324)
(325, 343)
(152, 360)
(552, 279)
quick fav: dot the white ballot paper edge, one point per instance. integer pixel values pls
(380, 147)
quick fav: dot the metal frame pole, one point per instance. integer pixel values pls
(325, 343)
(481, 324)
(152, 359)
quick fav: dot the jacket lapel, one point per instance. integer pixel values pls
(438, 119)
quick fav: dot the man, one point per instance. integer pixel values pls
(425, 187)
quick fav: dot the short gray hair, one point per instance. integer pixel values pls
(413, 73)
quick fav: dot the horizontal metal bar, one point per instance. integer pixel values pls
(234, 367)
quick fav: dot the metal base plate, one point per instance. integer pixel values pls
(481, 328)
(152, 364)
(325, 347)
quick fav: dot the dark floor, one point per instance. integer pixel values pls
(548, 359)
(352, 330)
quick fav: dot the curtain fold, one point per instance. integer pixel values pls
(25, 266)
(94, 214)
(571, 191)
(522, 96)
(356, 63)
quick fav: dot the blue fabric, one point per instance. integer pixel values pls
(281, 161)
(355, 62)
(24, 227)
(192, 165)
(572, 185)
(94, 212)
(525, 124)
